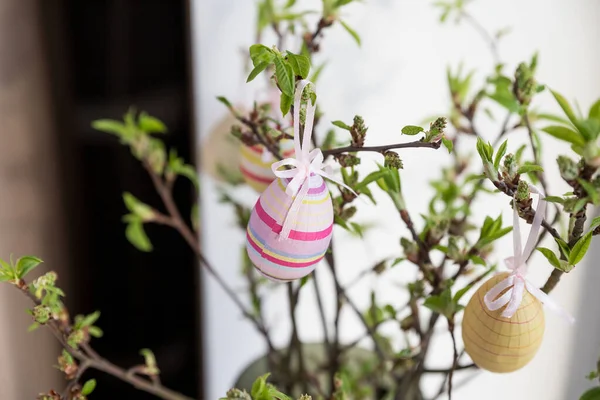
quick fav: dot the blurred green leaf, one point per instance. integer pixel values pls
(89, 320)
(149, 124)
(110, 126)
(341, 124)
(88, 387)
(591, 190)
(595, 111)
(566, 134)
(225, 102)
(592, 394)
(137, 236)
(372, 177)
(26, 264)
(285, 103)
(351, 31)
(448, 144)
(527, 168)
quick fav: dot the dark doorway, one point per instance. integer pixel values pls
(107, 56)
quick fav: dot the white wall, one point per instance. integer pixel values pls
(398, 78)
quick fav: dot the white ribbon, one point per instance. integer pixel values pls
(304, 164)
(516, 280)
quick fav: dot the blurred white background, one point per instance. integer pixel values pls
(398, 78)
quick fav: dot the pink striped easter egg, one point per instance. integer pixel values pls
(257, 171)
(284, 260)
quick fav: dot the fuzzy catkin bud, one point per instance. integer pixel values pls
(568, 168)
(392, 160)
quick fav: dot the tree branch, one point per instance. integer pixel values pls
(175, 220)
(379, 149)
(96, 362)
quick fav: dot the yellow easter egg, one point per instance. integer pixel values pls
(500, 344)
(220, 149)
(256, 169)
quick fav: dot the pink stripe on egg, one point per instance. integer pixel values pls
(296, 235)
(277, 260)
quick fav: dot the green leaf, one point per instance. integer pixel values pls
(566, 134)
(95, 331)
(554, 199)
(290, 3)
(351, 31)
(225, 102)
(26, 264)
(459, 294)
(448, 144)
(89, 320)
(595, 111)
(505, 100)
(316, 73)
(592, 394)
(340, 3)
(259, 53)
(137, 237)
(300, 64)
(149, 124)
(441, 304)
(564, 246)
(178, 167)
(500, 154)
(595, 223)
(591, 190)
(7, 269)
(580, 248)
(564, 104)
(88, 387)
(285, 103)
(285, 76)
(257, 70)
(372, 177)
(550, 256)
(527, 168)
(412, 130)
(259, 386)
(138, 208)
(477, 260)
(341, 124)
(110, 126)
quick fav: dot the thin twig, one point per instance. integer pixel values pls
(321, 309)
(492, 42)
(75, 380)
(98, 363)
(379, 149)
(175, 220)
(454, 360)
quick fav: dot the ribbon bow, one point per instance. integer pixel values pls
(516, 280)
(304, 164)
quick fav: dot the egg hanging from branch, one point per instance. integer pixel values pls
(291, 224)
(296, 256)
(503, 323)
(497, 343)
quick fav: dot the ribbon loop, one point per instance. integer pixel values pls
(305, 164)
(516, 283)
